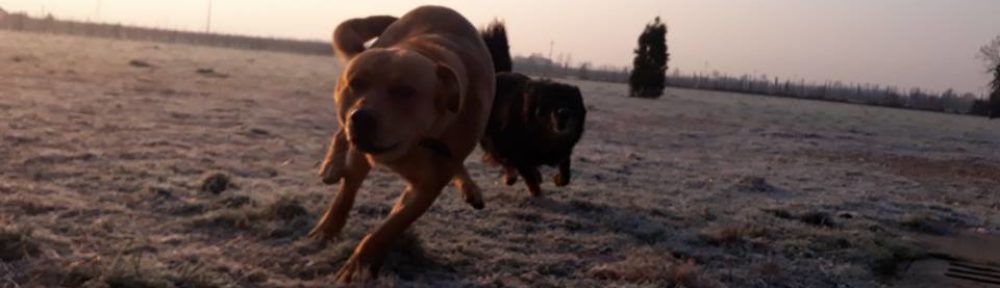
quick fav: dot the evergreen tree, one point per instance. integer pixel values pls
(649, 70)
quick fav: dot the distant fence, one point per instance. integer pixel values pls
(22, 22)
(863, 94)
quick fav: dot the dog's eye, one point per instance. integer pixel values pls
(402, 91)
(357, 85)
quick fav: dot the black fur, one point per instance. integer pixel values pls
(521, 133)
(495, 36)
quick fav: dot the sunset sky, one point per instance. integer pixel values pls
(908, 43)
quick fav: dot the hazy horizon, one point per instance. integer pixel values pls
(904, 43)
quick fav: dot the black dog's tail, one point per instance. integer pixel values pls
(495, 36)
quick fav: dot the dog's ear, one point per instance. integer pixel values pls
(450, 90)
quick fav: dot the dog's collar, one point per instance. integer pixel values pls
(437, 147)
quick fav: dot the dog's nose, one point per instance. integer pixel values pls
(362, 127)
(362, 120)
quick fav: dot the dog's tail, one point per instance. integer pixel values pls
(349, 38)
(495, 36)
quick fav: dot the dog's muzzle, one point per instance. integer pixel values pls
(362, 130)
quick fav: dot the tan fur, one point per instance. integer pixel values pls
(436, 57)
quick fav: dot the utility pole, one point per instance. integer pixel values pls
(97, 12)
(208, 22)
(552, 44)
(548, 72)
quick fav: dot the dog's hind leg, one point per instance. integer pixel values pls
(335, 162)
(509, 175)
(562, 179)
(368, 256)
(532, 178)
(470, 191)
(333, 220)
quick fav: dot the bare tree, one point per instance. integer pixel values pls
(584, 71)
(990, 53)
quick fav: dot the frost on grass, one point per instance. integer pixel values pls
(649, 266)
(283, 217)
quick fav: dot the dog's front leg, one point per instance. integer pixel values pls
(333, 220)
(562, 179)
(368, 256)
(470, 191)
(532, 178)
(335, 162)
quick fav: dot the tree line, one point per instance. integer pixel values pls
(648, 77)
(947, 101)
(48, 24)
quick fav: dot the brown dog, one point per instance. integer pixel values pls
(416, 102)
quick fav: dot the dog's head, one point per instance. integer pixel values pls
(557, 109)
(390, 99)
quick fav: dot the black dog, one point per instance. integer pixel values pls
(533, 122)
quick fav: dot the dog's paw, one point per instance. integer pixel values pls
(319, 234)
(509, 179)
(474, 196)
(560, 181)
(326, 230)
(356, 271)
(331, 173)
(535, 190)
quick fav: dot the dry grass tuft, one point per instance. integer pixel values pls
(139, 64)
(770, 271)
(647, 266)
(408, 257)
(215, 182)
(817, 218)
(286, 208)
(243, 218)
(16, 244)
(754, 184)
(235, 201)
(888, 256)
(283, 217)
(732, 233)
(209, 72)
(924, 223)
(132, 272)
